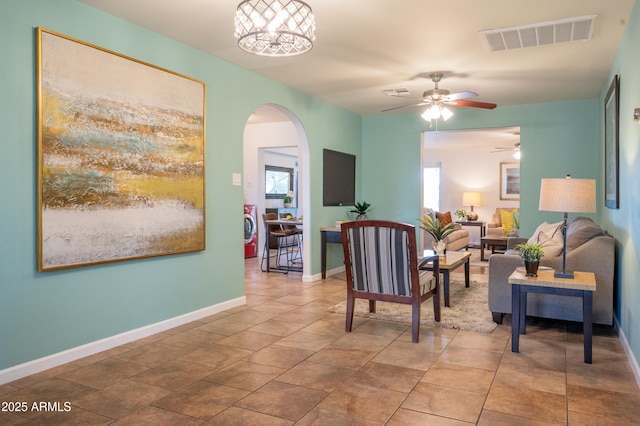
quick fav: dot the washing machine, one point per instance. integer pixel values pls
(250, 231)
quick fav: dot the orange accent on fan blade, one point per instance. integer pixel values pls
(474, 104)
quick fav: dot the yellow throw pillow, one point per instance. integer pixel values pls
(506, 217)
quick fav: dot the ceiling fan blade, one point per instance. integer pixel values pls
(405, 106)
(460, 95)
(474, 104)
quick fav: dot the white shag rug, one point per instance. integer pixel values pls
(469, 309)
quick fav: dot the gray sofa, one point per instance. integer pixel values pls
(588, 249)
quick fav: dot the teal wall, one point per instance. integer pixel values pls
(45, 313)
(624, 223)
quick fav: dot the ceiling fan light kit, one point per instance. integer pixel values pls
(275, 27)
(438, 100)
(436, 111)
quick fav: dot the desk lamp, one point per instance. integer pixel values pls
(567, 195)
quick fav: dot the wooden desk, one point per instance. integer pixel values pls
(450, 261)
(293, 221)
(582, 285)
(328, 234)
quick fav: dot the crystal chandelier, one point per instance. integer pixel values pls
(275, 27)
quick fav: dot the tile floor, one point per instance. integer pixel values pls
(283, 359)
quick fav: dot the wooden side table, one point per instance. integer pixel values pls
(481, 225)
(495, 243)
(328, 234)
(450, 261)
(582, 285)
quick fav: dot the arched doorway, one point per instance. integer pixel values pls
(274, 130)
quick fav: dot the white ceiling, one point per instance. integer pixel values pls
(363, 47)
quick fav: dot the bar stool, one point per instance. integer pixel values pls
(283, 241)
(297, 233)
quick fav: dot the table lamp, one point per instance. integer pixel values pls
(471, 199)
(569, 196)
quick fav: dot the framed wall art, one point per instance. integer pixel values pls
(510, 181)
(612, 145)
(121, 157)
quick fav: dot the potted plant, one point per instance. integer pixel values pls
(516, 224)
(531, 253)
(360, 208)
(437, 231)
(287, 199)
(462, 215)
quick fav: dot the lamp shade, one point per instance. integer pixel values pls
(471, 199)
(568, 195)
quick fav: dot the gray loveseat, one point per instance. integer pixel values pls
(588, 249)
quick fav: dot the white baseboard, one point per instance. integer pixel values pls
(318, 276)
(32, 367)
(633, 362)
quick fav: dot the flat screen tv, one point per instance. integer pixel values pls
(339, 178)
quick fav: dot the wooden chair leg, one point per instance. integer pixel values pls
(436, 307)
(415, 322)
(350, 305)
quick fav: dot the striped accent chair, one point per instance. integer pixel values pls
(381, 260)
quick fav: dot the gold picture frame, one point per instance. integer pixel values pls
(121, 157)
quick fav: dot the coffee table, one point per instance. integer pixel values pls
(449, 262)
(495, 243)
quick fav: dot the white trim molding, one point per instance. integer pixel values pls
(32, 367)
(633, 362)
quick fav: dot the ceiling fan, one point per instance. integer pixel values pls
(515, 149)
(438, 99)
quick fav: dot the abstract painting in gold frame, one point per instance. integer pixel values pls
(121, 157)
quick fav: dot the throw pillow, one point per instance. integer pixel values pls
(430, 212)
(580, 230)
(444, 218)
(549, 236)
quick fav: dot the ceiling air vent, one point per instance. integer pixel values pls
(395, 92)
(540, 34)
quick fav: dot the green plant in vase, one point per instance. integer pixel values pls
(360, 209)
(516, 223)
(531, 253)
(437, 231)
